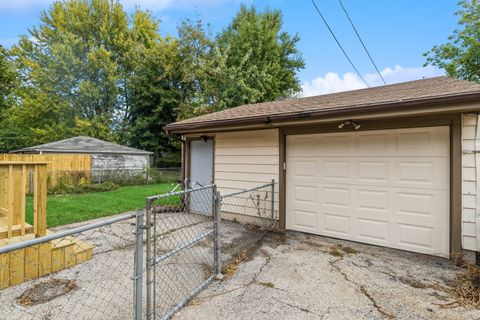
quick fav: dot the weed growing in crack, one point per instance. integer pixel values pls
(335, 253)
(268, 284)
(349, 250)
(232, 267)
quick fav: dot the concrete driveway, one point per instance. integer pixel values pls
(301, 276)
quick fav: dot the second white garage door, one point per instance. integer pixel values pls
(386, 187)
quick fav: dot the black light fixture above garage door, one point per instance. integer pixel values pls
(204, 138)
(355, 124)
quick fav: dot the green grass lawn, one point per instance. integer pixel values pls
(68, 209)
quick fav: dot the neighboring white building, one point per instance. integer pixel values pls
(106, 156)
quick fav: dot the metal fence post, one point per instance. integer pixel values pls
(138, 273)
(273, 199)
(149, 259)
(218, 218)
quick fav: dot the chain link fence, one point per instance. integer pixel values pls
(80, 181)
(147, 264)
(248, 216)
(182, 251)
(85, 272)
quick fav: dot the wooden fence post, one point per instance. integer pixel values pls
(10, 200)
(23, 207)
(40, 200)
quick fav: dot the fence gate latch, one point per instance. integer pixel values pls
(146, 226)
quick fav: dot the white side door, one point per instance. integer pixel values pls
(201, 174)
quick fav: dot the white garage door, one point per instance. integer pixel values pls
(385, 187)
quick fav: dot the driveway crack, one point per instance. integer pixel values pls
(363, 290)
(292, 305)
(254, 280)
(244, 286)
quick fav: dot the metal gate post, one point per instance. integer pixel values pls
(218, 218)
(273, 199)
(138, 276)
(149, 259)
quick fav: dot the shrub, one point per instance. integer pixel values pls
(83, 188)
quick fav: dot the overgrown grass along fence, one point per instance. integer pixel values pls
(75, 182)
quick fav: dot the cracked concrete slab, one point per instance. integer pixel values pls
(300, 276)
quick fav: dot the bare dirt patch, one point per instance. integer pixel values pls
(46, 291)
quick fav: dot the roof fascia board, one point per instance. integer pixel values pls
(328, 115)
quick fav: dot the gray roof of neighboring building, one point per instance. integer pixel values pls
(82, 144)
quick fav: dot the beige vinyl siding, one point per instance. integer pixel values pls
(469, 191)
(246, 159)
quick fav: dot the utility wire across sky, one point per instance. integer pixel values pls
(338, 43)
(361, 41)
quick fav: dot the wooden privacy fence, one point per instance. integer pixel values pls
(45, 256)
(13, 181)
(57, 164)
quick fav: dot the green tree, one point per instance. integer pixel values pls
(89, 69)
(250, 61)
(8, 80)
(199, 67)
(8, 85)
(460, 57)
(155, 97)
(261, 61)
(75, 69)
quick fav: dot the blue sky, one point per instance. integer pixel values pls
(395, 32)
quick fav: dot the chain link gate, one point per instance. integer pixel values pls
(178, 242)
(182, 248)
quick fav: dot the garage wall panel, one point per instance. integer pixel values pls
(469, 181)
(247, 159)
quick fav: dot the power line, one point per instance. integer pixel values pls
(361, 41)
(338, 43)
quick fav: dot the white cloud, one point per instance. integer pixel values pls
(333, 82)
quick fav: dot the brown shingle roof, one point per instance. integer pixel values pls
(432, 91)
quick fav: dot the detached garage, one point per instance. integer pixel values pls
(393, 166)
